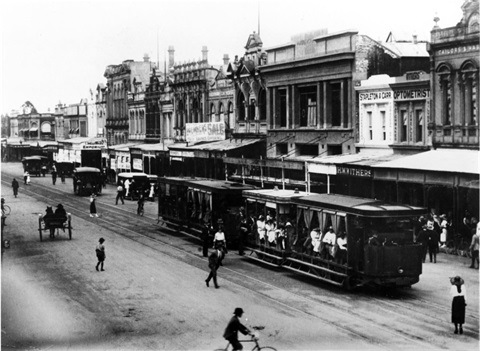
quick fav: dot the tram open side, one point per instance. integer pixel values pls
(380, 240)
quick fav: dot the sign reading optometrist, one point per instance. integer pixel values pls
(212, 131)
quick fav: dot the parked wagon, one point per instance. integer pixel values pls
(380, 249)
(54, 224)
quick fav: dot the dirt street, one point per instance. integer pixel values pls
(151, 298)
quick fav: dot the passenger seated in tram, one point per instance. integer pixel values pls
(329, 241)
(261, 229)
(316, 235)
(270, 228)
(374, 241)
(341, 255)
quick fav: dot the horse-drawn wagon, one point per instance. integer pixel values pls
(52, 223)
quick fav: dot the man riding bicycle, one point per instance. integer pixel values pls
(231, 331)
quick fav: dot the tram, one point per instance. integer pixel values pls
(35, 165)
(187, 204)
(139, 184)
(87, 181)
(379, 250)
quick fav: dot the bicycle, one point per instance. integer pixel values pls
(254, 339)
(6, 210)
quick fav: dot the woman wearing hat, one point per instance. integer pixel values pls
(459, 295)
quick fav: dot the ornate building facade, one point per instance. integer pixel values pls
(455, 53)
(120, 79)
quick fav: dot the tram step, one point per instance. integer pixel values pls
(314, 276)
(262, 261)
(299, 262)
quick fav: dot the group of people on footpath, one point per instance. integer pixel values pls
(432, 233)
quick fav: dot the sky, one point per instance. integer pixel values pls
(56, 51)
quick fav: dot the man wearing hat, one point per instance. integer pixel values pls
(432, 235)
(231, 331)
(60, 211)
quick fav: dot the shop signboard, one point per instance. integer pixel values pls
(197, 132)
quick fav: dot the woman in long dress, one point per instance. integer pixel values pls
(459, 295)
(93, 207)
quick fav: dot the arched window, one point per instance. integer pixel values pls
(444, 79)
(221, 113)
(469, 90)
(212, 113)
(240, 106)
(230, 116)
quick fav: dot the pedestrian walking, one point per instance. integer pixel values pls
(25, 175)
(54, 177)
(93, 206)
(206, 232)
(233, 327)
(213, 264)
(119, 194)
(474, 247)
(100, 251)
(459, 301)
(15, 187)
(62, 177)
(28, 178)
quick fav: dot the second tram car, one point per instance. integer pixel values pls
(190, 203)
(377, 238)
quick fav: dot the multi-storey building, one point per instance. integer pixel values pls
(136, 111)
(120, 79)
(101, 109)
(76, 119)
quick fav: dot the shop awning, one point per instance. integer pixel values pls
(329, 164)
(440, 160)
(222, 145)
(33, 129)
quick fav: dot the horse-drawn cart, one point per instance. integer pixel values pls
(52, 222)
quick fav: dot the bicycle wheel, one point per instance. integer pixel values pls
(6, 210)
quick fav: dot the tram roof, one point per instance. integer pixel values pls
(273, 195)
(34, 158)
(86, 170)
(213, 185)
(358, 205)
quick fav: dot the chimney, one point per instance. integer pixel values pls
(226, 59)
(146, 58)
(415, 39)
(204, 53)
(171, 60)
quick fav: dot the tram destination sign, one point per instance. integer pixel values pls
(197, 132)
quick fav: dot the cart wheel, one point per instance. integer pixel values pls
(40, 231)
(69, 231)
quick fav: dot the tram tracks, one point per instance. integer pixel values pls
(353, 323)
